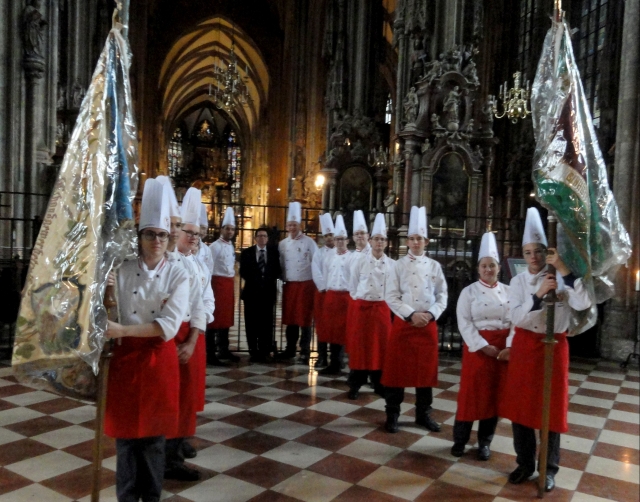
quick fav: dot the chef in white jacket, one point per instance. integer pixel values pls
(417, 295)
(523, 393)
(327, 229)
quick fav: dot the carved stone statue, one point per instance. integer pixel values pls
(471, 73)
(453, 59)
(435, 123)
(451, 104)
(487, 117)
(434, 71)
(33, 25)
(61, 102)
(470, 126)
(77, 95)
(411, 105)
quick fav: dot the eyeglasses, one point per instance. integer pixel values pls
(192, 235)
(378, 239)
(150, 235)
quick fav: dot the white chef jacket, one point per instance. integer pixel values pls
(418, 285)
(317, 264)
(196, 316)
(204, 255)
(336, 270)
(224, 258)
(160, 295)
(205, 284)
(368, 277)
(522, 288)
(295, 258)
(482, 307)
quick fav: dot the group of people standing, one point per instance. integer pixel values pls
(379, 311)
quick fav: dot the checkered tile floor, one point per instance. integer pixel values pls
(283, 433)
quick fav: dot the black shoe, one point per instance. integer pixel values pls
(304, 360)
(425, 420)
(228, 356)
(330, 370)
(182, 473)
(457, 450)
(353, 394)
(285, 355)
(188, 451)
(214, 361)
(391, 425)
(321, 362)
(519, 475)
(550, 483)
(379, 389)
(484, 452)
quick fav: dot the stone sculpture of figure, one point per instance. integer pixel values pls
(477, 153)
(77, 95)
(470, 126)
(471, 73)
(411, 105)
(434, 72)
(487, 117)
(453, 59)
(452, 103)
(61, 102)
(33, 25)
(435, 122)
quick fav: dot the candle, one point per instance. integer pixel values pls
(638, 280)
(464, 229)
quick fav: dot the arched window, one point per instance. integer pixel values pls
(234, 174)
(388, 110)
(176, 154)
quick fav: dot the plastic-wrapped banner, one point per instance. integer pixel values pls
(569, 172)
(88, 229)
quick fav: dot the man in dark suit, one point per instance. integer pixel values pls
(260, 269)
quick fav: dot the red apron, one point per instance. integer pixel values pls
(200, 355)
(318, 302)
(522, 401)
(189, 387)
(297, 303)
(369, 325)
(223, 296)
(336, 306)
(482, 380)
(142, 394)
(411, 356)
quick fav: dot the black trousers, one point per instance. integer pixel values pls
(140, 469)
(323, 349)
(395, 395)
(293, 333)
(258, 321)
(358, 378)
(173, 453)
(335, 349)
(524, 442)
(486, 430)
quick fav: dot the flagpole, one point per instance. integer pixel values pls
(549, 345)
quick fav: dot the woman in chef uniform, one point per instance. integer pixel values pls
(142, 395)
(483, 321)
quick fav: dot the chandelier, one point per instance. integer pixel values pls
(514, 100)
(230, 87)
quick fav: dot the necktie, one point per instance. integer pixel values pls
(261, 262)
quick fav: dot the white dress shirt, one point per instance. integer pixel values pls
(204, 277)
(224, 258)
(527, 315)
(317, 264)
(204, 255)
(196, 316)
(368, 277)
(418, 285)
(336, 270)
(258, 249)
(295, 258)
(160, 295)
(482, 307)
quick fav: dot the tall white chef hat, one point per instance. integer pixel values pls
(379, 226)
(295, 212)
(190, 209)
(326, 224)
(340, 230)
(229, 217)
(154, 210)
(359, 223)
(174, 208)
(204, 217)
(533, 229)
(489, 247)
(418, 222)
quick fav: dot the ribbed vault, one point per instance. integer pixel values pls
(187, 72)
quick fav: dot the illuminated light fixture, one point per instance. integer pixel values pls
(319, 181)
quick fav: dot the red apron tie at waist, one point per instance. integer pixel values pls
(223, 294)
(411, 356)
(297, 303)
(522, 401)
(369, 326)
(482, 380)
